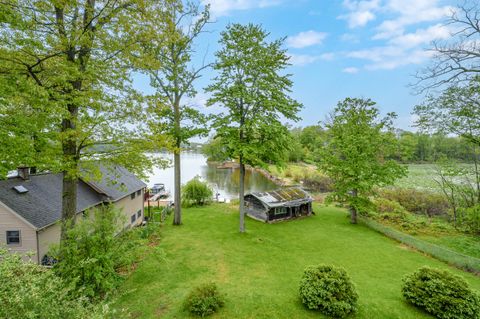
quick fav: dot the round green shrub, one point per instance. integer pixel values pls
(196, 192)
(441, 293)
(204, 300)
(328, 289)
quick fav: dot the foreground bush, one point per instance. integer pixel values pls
(204, 300)
(93, 252)
(441, 293)
(29, 291)
(196, 192)
(329, 290)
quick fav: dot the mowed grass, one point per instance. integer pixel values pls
(259, 271)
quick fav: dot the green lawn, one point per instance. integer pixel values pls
(259, 271)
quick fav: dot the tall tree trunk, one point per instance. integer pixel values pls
(177, 218)
(353, 209)
(69, 174)
(241, 195)
(69, 202)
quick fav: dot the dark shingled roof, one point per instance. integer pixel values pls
(283, 196)
(42, 204)
(116, 182)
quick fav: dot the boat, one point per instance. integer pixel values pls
(158, 191)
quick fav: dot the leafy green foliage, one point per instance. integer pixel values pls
(383, 205)
(215, 150)
(355, 153)
(254, 93)
(72, 61)
(455, 111)
(196, 192)
(204, 300)
(91, 254)
(441, 293)
(328, 289)
(417, 201)
(31, 291)
(469, 218)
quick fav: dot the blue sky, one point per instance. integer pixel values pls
(339, 49)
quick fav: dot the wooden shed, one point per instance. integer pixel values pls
(281, 204)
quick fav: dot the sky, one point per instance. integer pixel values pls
(338, 49)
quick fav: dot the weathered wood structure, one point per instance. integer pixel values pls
(278, 205)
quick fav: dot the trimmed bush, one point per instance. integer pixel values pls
(441, 293)
(328, 289)
(204, 300)
(196, 192)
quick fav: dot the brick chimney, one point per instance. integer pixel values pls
(23, 172)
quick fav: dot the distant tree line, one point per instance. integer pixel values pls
(413, 147)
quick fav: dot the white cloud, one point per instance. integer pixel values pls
(390, 57)
(360, 12)
(351, 70)
(224, 7)
(306, 39)
(305, 59)
(348, 37)
(422, 36)
(401, 41)
(410, 12)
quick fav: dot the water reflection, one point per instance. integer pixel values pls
(224, 181)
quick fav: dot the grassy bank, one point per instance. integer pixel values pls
(259, 271)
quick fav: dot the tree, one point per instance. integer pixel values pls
(215, 150)
(355, 155)
(74, 58)
(173, 79)
(457, 59)
(455, 111)
(251, 87)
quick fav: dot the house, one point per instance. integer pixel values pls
(31, 205)
(278, 205)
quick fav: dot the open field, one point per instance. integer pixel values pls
(259, 271)
(422, 176)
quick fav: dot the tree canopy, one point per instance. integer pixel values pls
(356, 152)
(254, 91)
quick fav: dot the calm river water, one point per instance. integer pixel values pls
(223, 181)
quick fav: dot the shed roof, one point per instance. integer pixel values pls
(283, 196)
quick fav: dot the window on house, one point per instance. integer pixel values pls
(13, 237)
(139, 214)
(132, 196)
(133, 218)
(280, 210)
(139, 192)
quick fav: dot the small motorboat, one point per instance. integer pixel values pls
(158, 191)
